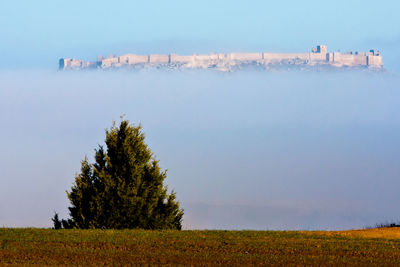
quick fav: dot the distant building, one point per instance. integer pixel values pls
(319, 55)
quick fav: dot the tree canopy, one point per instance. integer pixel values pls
(124, 188)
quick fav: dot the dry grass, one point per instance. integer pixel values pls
(386, 233)
(373, 247)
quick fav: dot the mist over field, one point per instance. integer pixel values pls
(244, 150)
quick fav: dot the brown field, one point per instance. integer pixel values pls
(32, 247)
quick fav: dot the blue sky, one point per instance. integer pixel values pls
(37, 33)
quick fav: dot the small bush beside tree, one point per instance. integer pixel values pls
(124, 188)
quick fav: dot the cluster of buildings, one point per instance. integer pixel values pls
(318, 55)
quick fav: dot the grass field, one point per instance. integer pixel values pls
(373, 247)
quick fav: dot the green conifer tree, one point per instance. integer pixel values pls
(124, 188)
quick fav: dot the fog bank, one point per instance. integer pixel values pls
(250, 150)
